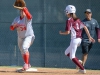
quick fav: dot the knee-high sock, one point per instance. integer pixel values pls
(26, 57)
(77, 63)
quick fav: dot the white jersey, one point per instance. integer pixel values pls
(24, 27)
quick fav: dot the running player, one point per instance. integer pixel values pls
(74, 25)
(93, 27)
(23, 24)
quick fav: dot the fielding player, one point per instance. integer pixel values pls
(23, 24)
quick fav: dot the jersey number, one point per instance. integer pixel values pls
(22, 28)
(77, 26)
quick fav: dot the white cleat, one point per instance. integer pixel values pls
(82, 71)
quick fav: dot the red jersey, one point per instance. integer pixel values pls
(75, 27)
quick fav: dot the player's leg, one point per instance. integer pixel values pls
(26, 44)
(74, 45)
(67, 51)
(20, 42)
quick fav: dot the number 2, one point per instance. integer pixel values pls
(77, 26)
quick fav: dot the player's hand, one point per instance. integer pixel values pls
(99, 40)
(92, 40)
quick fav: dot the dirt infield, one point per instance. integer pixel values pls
(46, 71)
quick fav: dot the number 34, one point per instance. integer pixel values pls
(21, 28)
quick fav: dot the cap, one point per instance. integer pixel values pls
(70, 9)
(88, 10)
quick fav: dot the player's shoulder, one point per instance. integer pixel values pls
(17, 17)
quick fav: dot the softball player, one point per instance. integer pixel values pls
(23, 24)
(74, 25)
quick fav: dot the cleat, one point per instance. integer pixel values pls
(25, 67)
(82, 71)
(29, 66)
(20, 70)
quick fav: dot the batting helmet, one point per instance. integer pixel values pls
(70, 9)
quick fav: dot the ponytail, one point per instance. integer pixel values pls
(74, 16)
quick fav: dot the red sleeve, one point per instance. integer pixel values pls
(28, 15)
(67, 26)
(98, 33)
(12, 28)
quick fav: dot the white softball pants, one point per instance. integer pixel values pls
(25, 43)
(73, 47)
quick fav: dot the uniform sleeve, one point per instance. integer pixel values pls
(11, 27)
(67, 26)
(28, 15)
(81, 25)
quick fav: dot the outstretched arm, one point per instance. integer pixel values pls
(64, 33)
(27, 13)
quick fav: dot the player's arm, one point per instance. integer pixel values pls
(13, 27)
(27, 13)
(67, 29)
(64, 33)
(88, 34)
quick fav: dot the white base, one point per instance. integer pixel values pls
(28, 70)
(31, 69)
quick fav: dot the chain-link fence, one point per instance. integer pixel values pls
(48, 47)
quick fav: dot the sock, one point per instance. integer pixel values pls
(26, 57)
(77, 63)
